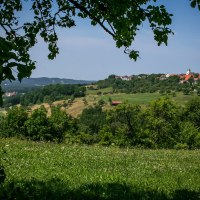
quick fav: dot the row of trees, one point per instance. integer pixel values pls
(37, 125)
(163, 124)
(149, 83)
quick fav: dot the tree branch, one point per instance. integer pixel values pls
(82, 8)
(3, 26)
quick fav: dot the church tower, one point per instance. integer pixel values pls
(188, 72)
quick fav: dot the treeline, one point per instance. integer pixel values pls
(162, 124)
(46, 94)
(149, 83)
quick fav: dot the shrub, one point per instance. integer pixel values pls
(105, 137)
(192, 111)
(59, 123)
(37, 125)
(14, 122)
(181, 146)
(189, 135)
(161, 122)
(85, 138)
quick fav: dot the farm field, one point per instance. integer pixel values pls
(59, 171)
(142, 99)
(146, 98)
(92, 98)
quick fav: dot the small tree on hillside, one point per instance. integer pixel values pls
(37, 125)
(92, 119)
(192, 111)
(59, 122)
(161, 123)
(14, 122)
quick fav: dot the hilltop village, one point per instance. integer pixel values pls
(183, 77)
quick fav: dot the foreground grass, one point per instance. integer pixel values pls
(57, 171)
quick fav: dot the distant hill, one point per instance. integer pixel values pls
(38, 82)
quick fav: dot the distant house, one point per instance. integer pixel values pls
(115, 103)
(163, 77)
(124, 78)
(170, 75)
(10, 94)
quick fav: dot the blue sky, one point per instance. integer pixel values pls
(88, 53)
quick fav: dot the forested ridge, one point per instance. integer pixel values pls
(28, 83)
(46, 94)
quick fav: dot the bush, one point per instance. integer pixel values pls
(37, 126)
(189, 135)
(192, 111)
(174, 94)
(179, 146)
(186, 91)
(59, 123)
(14, 122)
(85, 138)
(105, 137)
(92, 120)
(161, 122)
(101, 102)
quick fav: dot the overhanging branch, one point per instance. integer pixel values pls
(83, 9)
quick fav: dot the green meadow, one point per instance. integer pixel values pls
(146, 98)
(38, 170)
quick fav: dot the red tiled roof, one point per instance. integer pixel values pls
(116, 102)
(187, 77)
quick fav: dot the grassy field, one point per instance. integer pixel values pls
(94, 92)
(142, 99)
(146, 98)
(58, 171)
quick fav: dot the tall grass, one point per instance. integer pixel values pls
(57, 171)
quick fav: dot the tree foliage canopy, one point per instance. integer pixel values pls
(119, 18)
(162, 124)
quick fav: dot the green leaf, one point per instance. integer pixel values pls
(93, 23)
(11, 64)
(193, 4)
(134, 55)
(8, 73)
